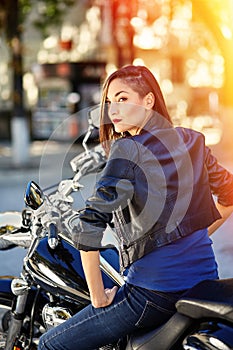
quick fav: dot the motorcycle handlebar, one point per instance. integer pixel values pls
(52, 235)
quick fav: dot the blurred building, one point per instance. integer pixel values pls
(100, 35)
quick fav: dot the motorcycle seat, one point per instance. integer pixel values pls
(161, 338)
(210, 298)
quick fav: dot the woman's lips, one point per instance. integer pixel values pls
(115, 121)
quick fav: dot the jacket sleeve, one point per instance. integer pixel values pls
(113, 190)
(221, 180)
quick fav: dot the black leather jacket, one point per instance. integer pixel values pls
(157, 187)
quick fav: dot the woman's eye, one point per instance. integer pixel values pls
(122, 99)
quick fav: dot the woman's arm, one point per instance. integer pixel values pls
(113, 189)
(100, 297)
(220, 179)
(225, 213)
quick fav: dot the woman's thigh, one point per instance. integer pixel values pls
(132, 308)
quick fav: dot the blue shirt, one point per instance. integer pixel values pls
(176, 266)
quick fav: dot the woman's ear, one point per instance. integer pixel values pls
(150, 100)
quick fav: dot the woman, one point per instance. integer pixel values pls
(157, 187)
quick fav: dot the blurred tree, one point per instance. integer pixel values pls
(12, 16)
(49, 12)
(217, 15)
(122, 13)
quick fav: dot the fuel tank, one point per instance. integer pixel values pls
(60, 271)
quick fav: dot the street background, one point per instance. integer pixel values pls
(55, 55)
(50, 163)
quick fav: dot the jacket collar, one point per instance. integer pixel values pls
(156, 122)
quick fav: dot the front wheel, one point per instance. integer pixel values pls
(5, 317)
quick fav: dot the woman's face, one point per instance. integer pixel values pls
(126, 109)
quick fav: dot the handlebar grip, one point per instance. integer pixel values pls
(52, 236)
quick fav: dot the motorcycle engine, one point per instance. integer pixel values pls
(54, 315)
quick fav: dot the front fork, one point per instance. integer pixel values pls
(20, 289)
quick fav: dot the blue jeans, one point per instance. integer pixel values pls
(133, 308)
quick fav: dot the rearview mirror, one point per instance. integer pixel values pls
(34, 196)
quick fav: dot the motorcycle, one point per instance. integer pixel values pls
(52, 286)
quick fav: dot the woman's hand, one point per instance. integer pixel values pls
(225, 212)
(110, 293)
(105, 299)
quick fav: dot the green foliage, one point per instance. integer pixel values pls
(49, 12)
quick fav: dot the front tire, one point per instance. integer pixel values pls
(5, 317)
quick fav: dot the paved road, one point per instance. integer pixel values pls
(49, 164)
